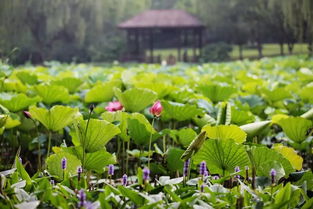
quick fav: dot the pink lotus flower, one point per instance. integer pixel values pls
(156, 109)
(114, 106)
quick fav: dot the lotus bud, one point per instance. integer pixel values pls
(91, 107)
(27, 114)
(156, 109)
(114, 106)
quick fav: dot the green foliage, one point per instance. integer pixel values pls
(95, 137)
(222, 156)
(17, 102)
(216, 52)
(55, 118)
(135, 99)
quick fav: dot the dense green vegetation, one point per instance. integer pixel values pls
(85, 30)
(224, 135)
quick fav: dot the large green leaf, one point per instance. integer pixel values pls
(222, 156)
(185, 136)
(295, 128)
(174, 163)
(135, 99)
(162, 89)
(102, 92)
(17, 102)
(240, 117)
(56, 118)
(140, 129)
(225, 132)
(121, 118)
(133, 195)
(179, 111)
(98, 134)
(98, 160)
(263, 156)
(277, 94)
(54, 164)
(52, 93)
(216, 92)
(290, 154)
(253, 129)
(27, 77)
(70, 83)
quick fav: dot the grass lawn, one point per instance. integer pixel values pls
(268, 50)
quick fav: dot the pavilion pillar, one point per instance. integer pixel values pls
(200, 42)
(194, 45)
(137, 43)
(151, 46)
(179, 46)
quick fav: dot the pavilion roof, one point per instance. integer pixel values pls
(162, 19)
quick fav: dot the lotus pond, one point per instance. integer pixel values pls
(219, 135)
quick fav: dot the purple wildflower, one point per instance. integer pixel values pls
(216, 177)
(52, 182)
(202, 188)
(82, 198)
(111, 170)
(146, 174)
(186, 167)
(124, 180)
(202, 168)
(237, 169)
(79, 171)
(273, 174)
(63, 163)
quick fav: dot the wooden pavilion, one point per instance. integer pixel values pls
(165, 29)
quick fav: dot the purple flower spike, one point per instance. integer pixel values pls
(124, 180)
(237, 169)
(273, 174)
(79, 172)
(202, 168)
(202, 188)
(82, 198)
(111, 170)
(146, 174)
(63, 163)
(186, 167)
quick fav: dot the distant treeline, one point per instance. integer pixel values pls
(85, 30)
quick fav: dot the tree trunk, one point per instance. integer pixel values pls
(259, 46)
(310, 48)
(290, 47)
(281, 49)
(240, 52)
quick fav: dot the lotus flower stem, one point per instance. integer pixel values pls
(127, 155)
(150, 141)
(49, 143)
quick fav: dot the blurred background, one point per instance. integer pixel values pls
(86, 30)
